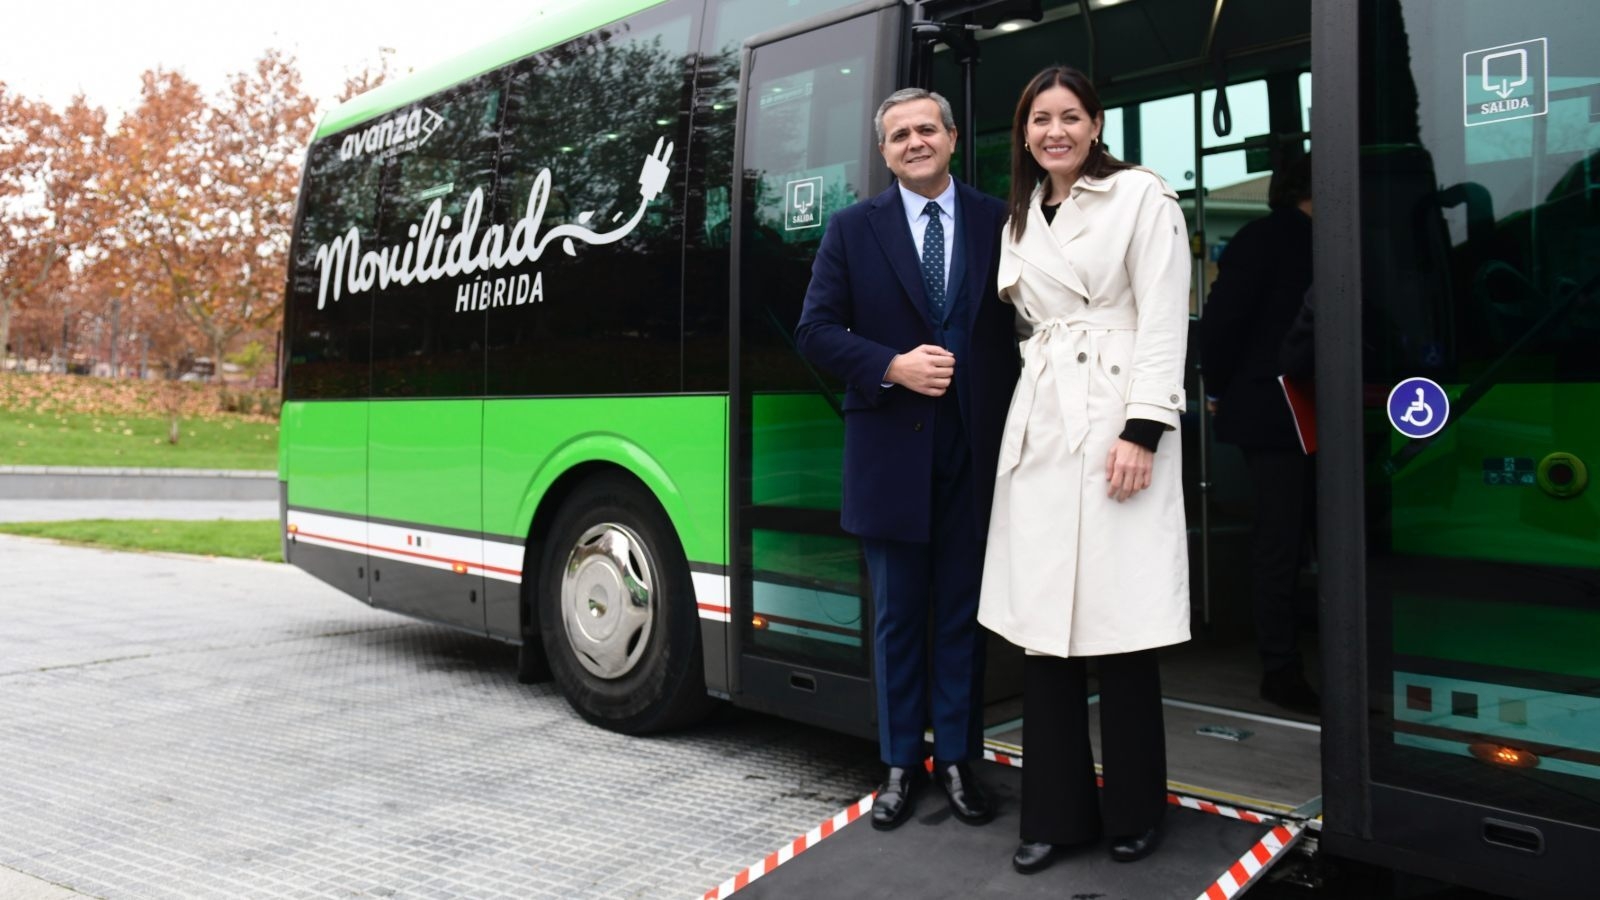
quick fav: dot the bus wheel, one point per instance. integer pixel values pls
(616, 611)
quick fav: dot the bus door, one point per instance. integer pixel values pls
(425, 437)
(801, 625)
(1215, 99)
(1459, 375)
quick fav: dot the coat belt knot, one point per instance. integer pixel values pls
(1068, 347)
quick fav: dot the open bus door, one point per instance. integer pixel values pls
(1458, 216)
(806, 149)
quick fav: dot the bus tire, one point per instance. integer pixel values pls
(617, 613)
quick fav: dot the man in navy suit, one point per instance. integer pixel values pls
(902, 306)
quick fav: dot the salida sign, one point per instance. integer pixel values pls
(1507, 82)
(434, 254)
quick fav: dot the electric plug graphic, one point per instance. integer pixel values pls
(653, 177)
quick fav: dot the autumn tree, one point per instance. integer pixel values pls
(204, 198)
(258, 135)
(370, 76)
(48, 162)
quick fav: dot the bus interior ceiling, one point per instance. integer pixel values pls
(1149, 59)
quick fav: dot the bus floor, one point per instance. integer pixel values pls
(1224, 743)
(1244, 780)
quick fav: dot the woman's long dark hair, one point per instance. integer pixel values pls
(1026, 173)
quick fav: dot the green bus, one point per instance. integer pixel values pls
(540, 384)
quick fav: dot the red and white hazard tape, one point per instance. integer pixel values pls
(1004, 759)
(1205, 806)
(1252, 863)
(1217, 809)
(794, 848)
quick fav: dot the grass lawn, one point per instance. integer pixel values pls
(242, 539)
(72, 439)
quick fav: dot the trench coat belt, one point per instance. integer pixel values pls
(1067, 346)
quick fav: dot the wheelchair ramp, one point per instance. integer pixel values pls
(1207, 851)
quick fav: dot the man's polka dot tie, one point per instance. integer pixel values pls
(933, 260)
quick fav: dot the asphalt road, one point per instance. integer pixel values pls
(186, 727)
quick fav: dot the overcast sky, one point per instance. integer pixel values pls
(52, 49)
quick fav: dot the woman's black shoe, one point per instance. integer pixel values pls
(1034, 856)
(1128, 849)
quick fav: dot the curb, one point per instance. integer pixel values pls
(90, 483)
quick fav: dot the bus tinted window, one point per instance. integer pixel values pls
(735, 20)
(592, 158)
(705, 307)
(329, 331)
(425, 340)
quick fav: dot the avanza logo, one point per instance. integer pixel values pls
(393, 135)
(430, 255)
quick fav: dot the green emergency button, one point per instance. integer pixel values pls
(1563, 475)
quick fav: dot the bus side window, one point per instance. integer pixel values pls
(330, 331)
(449, 164)
(595, 145)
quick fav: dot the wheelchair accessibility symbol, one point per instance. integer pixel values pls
(1418, 408)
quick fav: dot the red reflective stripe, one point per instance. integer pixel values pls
(827, 827)
(712, 607)
(1215, 892)
(1261, 853)
(1240, 876)
(398, 552)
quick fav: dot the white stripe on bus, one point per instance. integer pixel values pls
(500, 560)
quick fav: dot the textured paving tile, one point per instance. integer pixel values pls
(179, 727)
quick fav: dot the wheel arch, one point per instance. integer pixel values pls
(573, 464)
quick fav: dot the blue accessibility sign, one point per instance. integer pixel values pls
(1418, 408)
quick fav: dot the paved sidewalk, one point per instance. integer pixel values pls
(204, 510)
(15, 885)
(186, 728)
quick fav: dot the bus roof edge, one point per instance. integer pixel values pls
(536, 33)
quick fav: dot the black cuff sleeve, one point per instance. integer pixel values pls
(1144, 432)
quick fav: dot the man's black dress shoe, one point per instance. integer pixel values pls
(1128, 849)
(895, 798)
(1034, 856)
(967, 799)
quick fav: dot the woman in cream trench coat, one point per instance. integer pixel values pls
(1080, 564)
(1071, 571)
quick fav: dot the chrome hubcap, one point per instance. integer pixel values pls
(608, 599)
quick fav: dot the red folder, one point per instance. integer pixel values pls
(1302, 398)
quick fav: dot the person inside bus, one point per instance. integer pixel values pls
(1262, 280)
(902, 307)
(1088, 553)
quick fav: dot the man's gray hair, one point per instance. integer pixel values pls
(906, 95)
